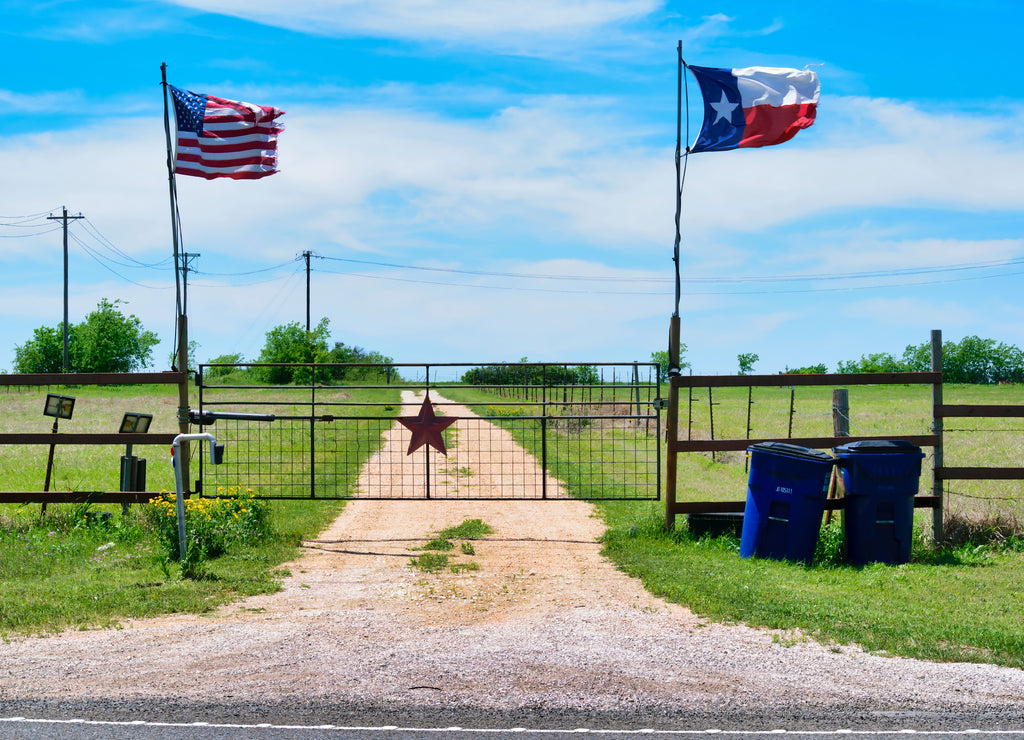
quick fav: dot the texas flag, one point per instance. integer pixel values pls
(754, 106)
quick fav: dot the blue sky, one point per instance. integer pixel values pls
(488, 181)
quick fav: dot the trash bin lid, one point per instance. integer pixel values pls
(869, 446)
(784, 448)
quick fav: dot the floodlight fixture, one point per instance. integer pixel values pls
(59, 407)
(135, 423)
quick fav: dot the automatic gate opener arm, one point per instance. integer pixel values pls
(216, 456)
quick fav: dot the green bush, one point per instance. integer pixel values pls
(212, 525)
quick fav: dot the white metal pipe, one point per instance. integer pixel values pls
(179, 484)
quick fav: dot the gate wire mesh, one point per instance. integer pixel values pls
(522, 431)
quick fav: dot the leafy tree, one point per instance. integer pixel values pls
(291, 343)
(43, 353)
(971, 360)
(535, 374)
(747, 360)
(106, 342)
(220, 372)
(661, 358)
(878, 362)
(819, 369)
(343, 354)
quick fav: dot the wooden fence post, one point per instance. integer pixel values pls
(792, 408)
(840, 428)
(841, 412)
(750, 403)
(711, 418)
(937, 512)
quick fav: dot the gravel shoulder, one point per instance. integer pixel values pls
(545, 632)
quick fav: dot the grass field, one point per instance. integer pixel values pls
(76, 567)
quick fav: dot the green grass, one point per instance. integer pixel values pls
(438, 558)
(68, 570)
(470, 529)
(430, 562)
(946, 605)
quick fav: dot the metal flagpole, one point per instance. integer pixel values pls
(681, 160)
(672, 422)
(181, 326)
(173, 192)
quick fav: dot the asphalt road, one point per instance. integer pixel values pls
(76, 720)
(13, 728)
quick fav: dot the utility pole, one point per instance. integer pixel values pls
(186, 256)
(307, 254)
(65, 218)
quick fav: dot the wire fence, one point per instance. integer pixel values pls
(521, 431)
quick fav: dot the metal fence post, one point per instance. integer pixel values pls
(544, 432)
(312, 433)
(937, 511)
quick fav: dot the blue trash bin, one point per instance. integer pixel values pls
(881, 479)
(785, 501)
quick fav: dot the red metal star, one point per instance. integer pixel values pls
(426, 428)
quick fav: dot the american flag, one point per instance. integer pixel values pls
(224, 138)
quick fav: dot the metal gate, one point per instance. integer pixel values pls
(510, 431)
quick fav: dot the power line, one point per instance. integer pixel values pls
(495, 288)
(793, 291)
(807, 277)
(102, 262)
(46, 230)
(249, 272)
(133, 265)
(484, 273)
(28, 217)
(92, 229)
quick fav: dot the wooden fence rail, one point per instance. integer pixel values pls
(178, 379)
(676, 445)
(940, 411)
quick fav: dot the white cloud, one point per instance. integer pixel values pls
(49, 102)
(887, 255)
(501, 25)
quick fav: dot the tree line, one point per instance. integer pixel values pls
(971, 360)
(107, 341)
(535, 374)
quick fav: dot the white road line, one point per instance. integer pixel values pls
(495, 730)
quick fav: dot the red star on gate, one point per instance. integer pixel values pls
(426, 428)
